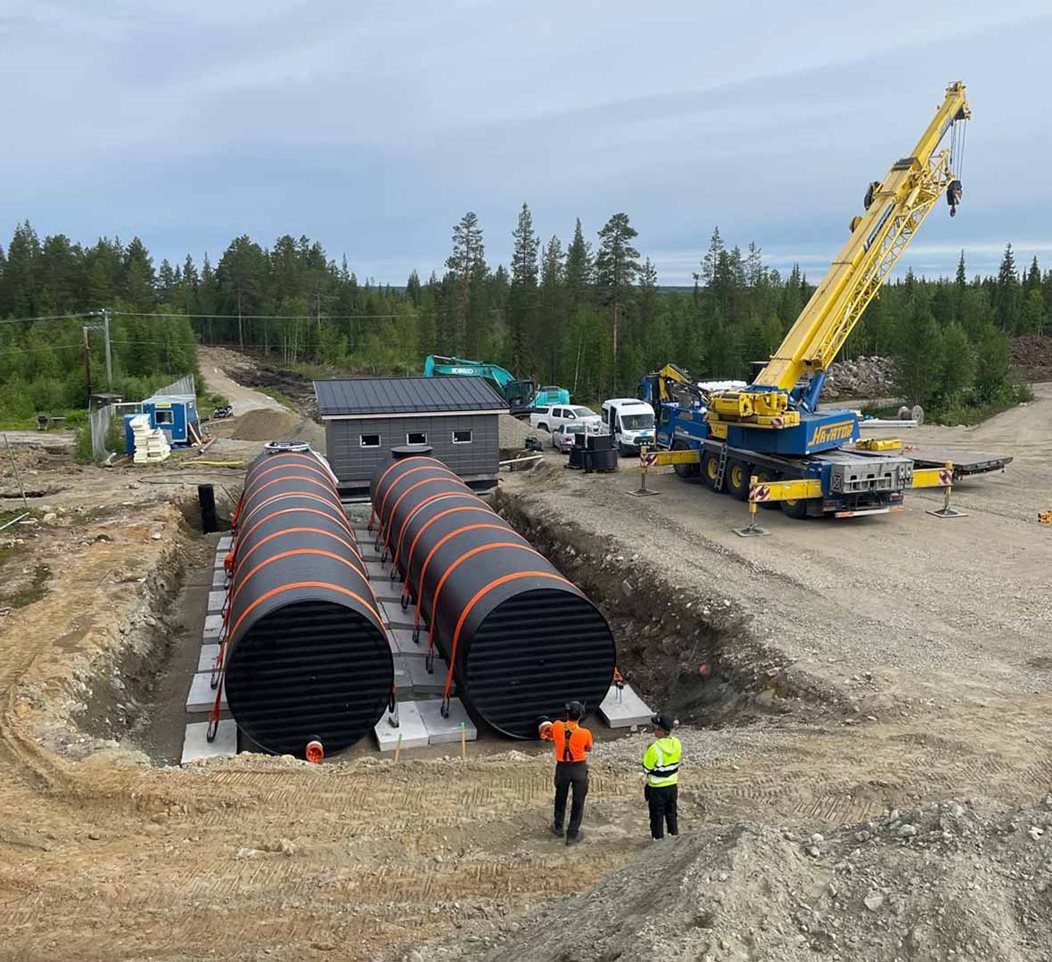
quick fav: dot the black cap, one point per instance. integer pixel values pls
(574, 710)
(662, 721)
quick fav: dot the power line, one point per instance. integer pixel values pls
(278, 317)
(52, 317)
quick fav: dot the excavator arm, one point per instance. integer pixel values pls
(896, 208)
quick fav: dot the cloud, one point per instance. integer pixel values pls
(373, 126)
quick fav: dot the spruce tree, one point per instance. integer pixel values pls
(616, 267)
(579, 268)
(522, 302)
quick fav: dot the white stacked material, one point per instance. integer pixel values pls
(151, 444)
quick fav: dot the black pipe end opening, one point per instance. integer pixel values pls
(309, 670)
(533, 653)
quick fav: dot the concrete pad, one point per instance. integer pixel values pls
(207, 659)
(213, 627)
(225, 543)
(402, 679)
(424, 683)
(385, 591)
(202, 696)
(394, 616)
(625, 709)
(215, 600)
(196, 744)
(402, 642)
(219, 560)
(218, 578)
(441, 731)
(410, 727)
(376, 570)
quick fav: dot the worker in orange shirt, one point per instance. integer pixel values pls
(572, 745)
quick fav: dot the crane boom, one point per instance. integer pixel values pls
(896, 208)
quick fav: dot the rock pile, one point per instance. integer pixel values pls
(860, 377)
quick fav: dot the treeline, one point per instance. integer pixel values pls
(586, 314)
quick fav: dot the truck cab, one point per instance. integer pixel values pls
(630, 421)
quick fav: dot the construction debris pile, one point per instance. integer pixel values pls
(860, 377)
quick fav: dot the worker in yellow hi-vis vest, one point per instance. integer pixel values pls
(661, 764)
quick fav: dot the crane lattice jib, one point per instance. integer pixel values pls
(898, 207)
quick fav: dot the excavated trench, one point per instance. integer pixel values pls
(690, 656)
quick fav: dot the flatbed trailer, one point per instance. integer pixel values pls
(965, 463)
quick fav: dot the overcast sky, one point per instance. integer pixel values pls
(373, 125)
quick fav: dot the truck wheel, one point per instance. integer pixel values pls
(737, 479)
(687, 471)
(710, 468)
(795, 509)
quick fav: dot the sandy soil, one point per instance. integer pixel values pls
(917, 661)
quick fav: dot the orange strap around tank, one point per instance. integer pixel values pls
(320, 514)
(434, 549)
(287, 477)
(412, 547)
(337, 511)
(303, 584)
(436, 465)
(481, 593)
(315, 468)
(453, 567)
(432, 499)
(288, 554)
(285, 531)
(441, 479)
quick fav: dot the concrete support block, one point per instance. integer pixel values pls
(410, 727)
(225, 543)
(215, 600)
(207, 659)
(625, 709)
(202, 696)
(441, 731)
(213, 627)
(196, 745)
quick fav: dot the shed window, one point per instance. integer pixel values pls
(462, 437)
(163, 417)
(369, 440)
(416, 437)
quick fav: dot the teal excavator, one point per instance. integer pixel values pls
(520, 393)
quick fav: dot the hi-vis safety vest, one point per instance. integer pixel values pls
(661, 762)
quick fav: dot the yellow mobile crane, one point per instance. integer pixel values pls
(772, 428)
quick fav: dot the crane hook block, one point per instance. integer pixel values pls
(953, 196)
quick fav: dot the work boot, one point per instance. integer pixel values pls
(574, 839)
(557, 830)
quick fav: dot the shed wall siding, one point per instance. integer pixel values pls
(354, 465)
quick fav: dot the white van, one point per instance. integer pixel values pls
(630, 421)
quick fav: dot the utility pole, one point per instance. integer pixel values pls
(87, 363)
(109, 357)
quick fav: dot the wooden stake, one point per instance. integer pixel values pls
(463, 742)
(398, 748)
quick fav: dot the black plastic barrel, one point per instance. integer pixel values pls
(306, 655)
(522, 639)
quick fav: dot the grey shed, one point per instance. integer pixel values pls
(365, 418)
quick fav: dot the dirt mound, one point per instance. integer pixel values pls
(1032, 356)
(513, 433)
(258, 425)
(942, 881)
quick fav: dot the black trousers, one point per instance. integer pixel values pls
(662, 803)
(570, 775)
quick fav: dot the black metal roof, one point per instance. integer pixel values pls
(406, 395)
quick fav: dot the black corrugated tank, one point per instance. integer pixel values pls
(306, 654)
(521, 639)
